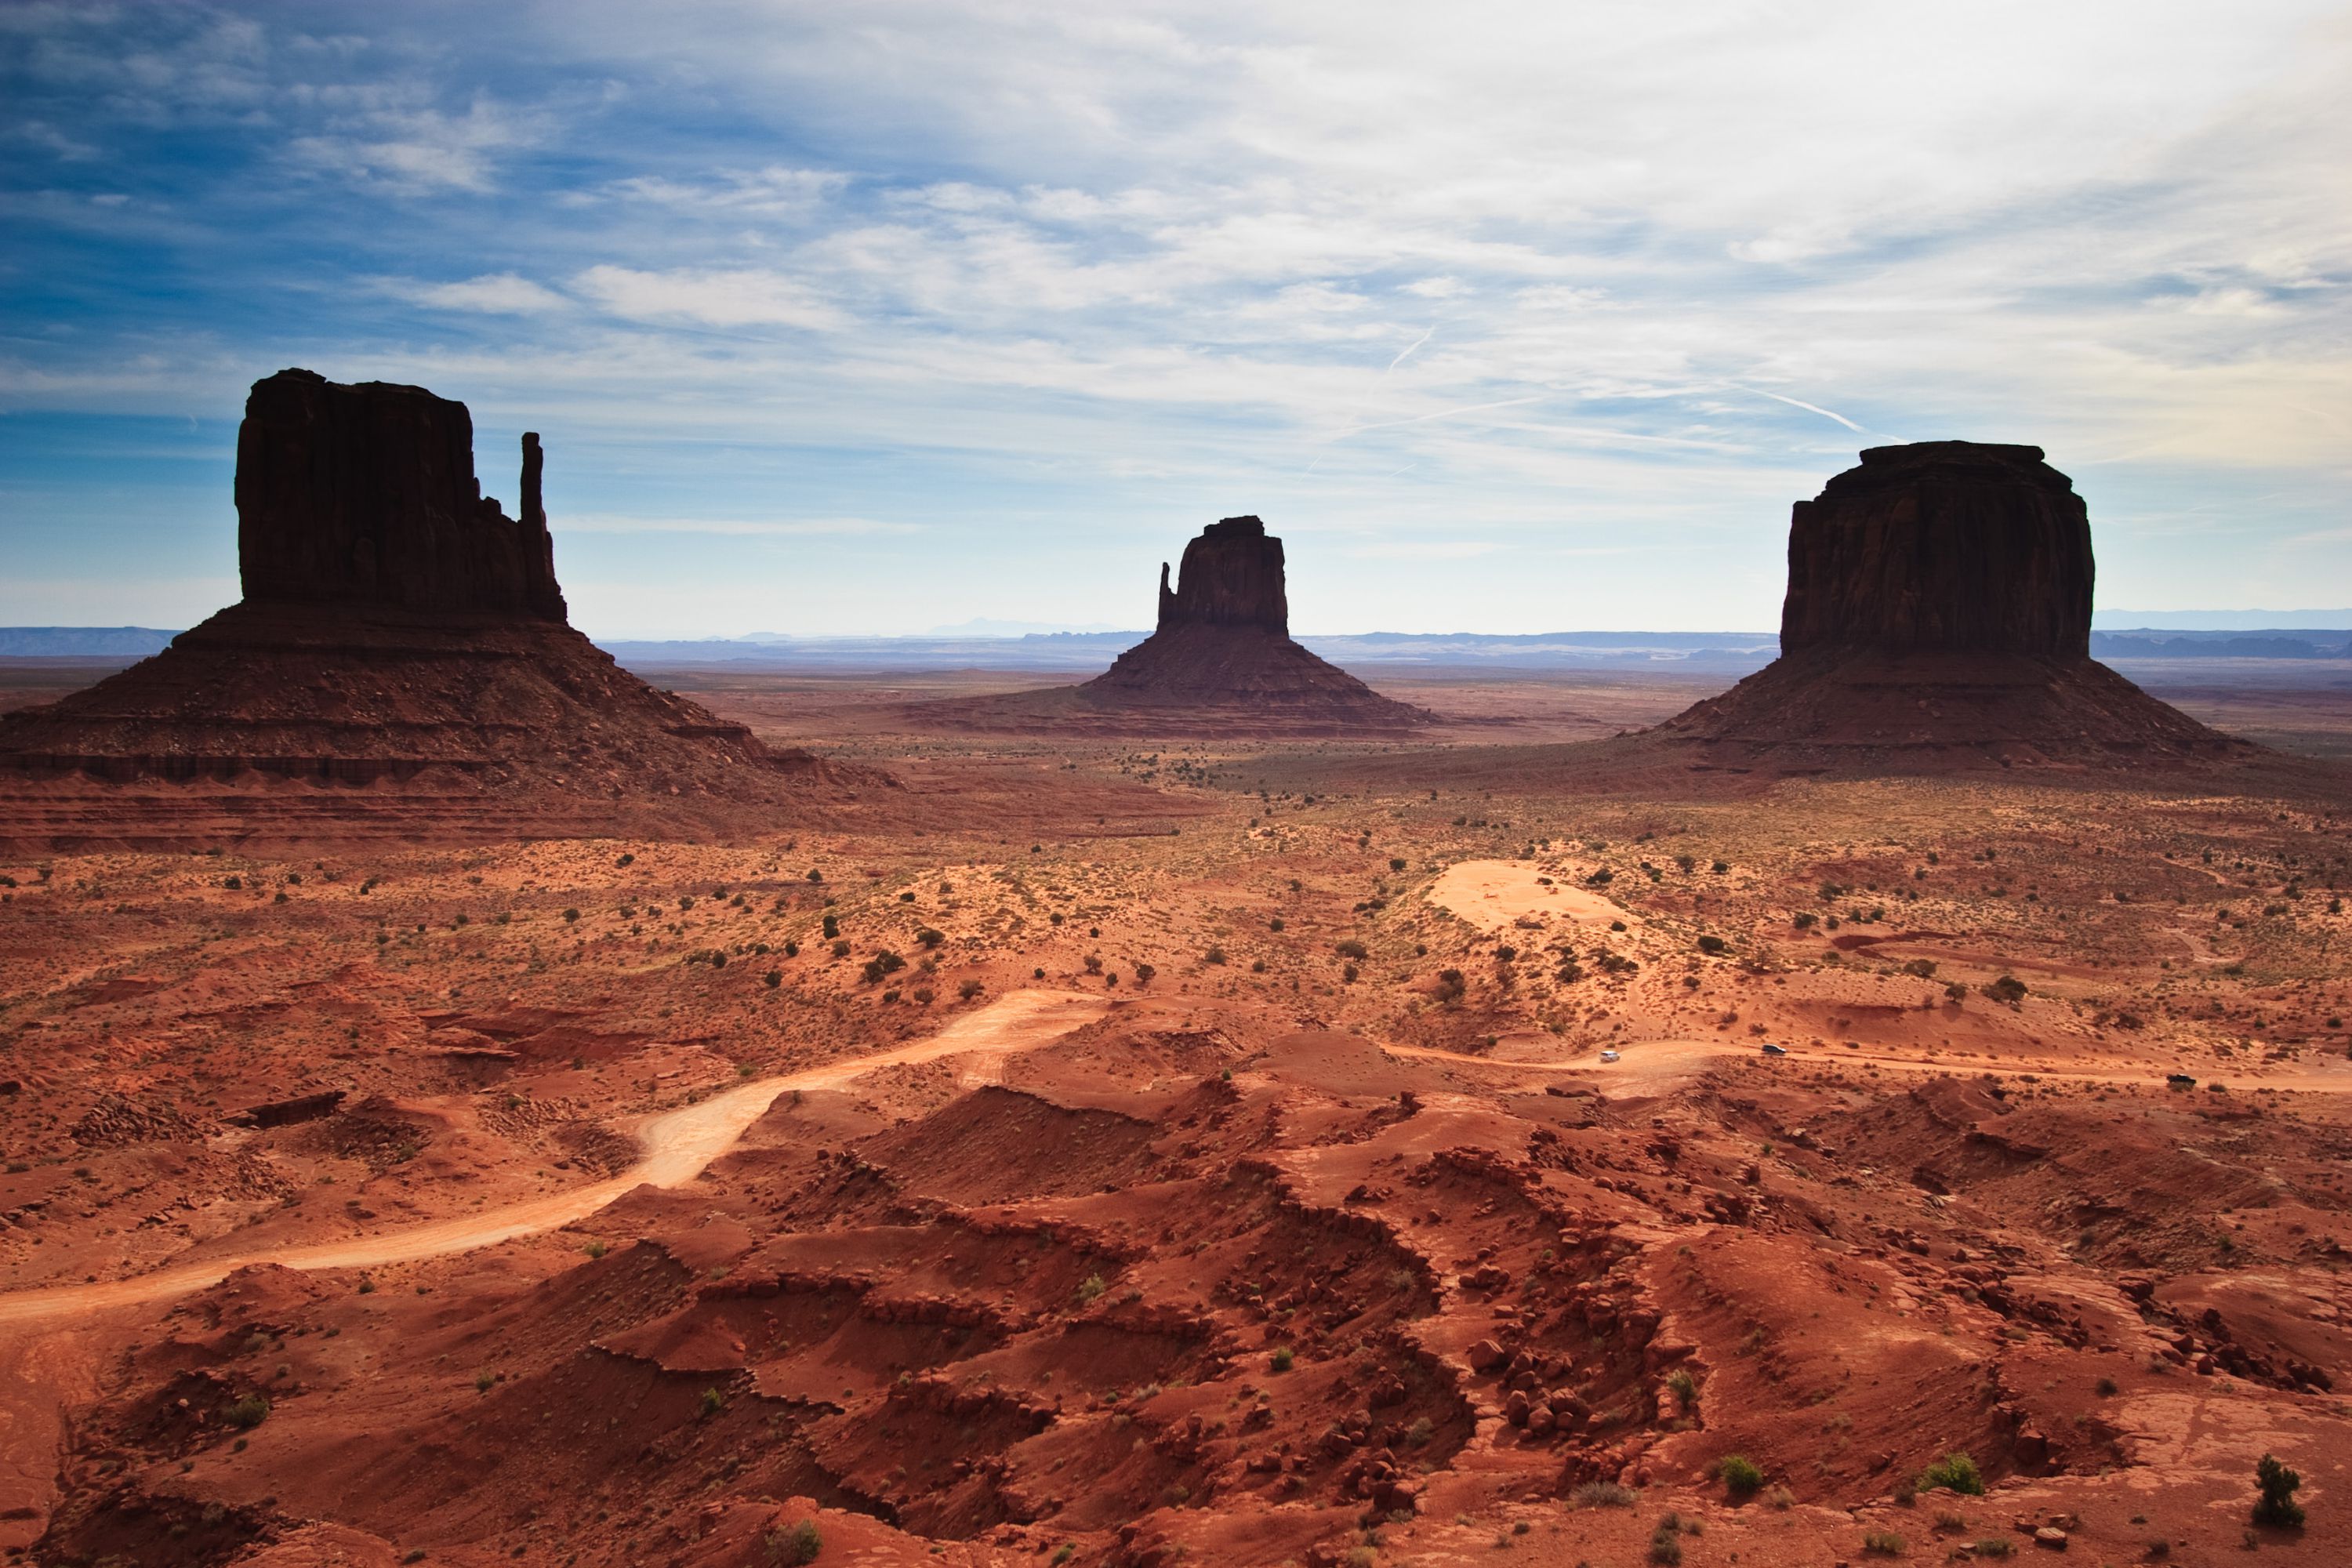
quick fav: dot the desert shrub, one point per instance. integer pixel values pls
(969, 989)
(931, 938)
(1954, 1473)
(1712, 944)
(772, 979)
(1143, 974)
(484, 1382)
(1781, 1498)
(254, 1409)
(925, 995)
(1882, 1544)
(1601, 1494)
(1215, 955)
(1396, 862)
(1282, 1359)
(595, 1249)
(1665, 1548)
(1450, 985)
(792, 949)
(883, 962)
(1351, 948)
(1684, 1386)
(712, 1402)
(1742, 1477)
(2277, 1485)
(1995, 1546)
(2008, 988)
(831, 927)
(799, 1542)
(1924, 968)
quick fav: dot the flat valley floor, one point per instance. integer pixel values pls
(1150, 1150)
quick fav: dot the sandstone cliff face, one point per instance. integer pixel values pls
(1937, 619)
(400, 666)
(1946, 546)
(1232, 576)
(366, 495)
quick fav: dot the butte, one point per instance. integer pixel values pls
(1938, 618)
(399, 668)
(1222, 658)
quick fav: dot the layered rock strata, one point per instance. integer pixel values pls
(1939, 615)
(1223, 642)
(400, 664)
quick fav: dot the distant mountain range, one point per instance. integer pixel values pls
(1718, 653)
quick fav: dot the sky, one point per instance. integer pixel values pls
(878, 317)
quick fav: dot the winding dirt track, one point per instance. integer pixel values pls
(679, 1144)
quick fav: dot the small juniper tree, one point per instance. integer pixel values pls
(2277, 1484)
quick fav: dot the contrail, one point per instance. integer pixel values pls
(1809, 408)
(1407, 350)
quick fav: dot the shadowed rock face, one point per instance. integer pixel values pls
(400, 666)
(1948, 546)
(1937, 619)
(366, 495)
(1232, 576)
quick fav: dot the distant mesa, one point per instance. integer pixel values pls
(1221, 654)
(1939, 615)
(399, 666)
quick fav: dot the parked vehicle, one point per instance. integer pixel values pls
(1772, 1050)
(1609, 1056)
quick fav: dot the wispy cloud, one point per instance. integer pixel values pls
(744, 297)
(501, 293)
(1065, 282)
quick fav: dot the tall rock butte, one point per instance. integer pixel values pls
(1938, 616)
(399, 666)
(1222, 651)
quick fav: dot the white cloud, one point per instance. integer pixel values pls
(739, 298)
(503, 293)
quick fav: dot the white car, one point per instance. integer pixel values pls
(1609, 1056)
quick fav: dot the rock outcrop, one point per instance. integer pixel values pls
(1232, 576)
(399, 666)
(1938, 617)
(1949, 546)
(1222, 657)
(366, 495)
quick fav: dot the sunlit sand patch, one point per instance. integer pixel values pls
(1495, 895)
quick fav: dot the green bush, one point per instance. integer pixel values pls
(799, 1543)
(1601, 1494)
(1955, 1473)
(1282, 1359)
(1742, 1477)
(254, 1409)
(1882, 1544)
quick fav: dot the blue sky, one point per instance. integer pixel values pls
(880, 317)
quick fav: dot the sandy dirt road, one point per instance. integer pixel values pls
(1657, 1066)
(679, 1144)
